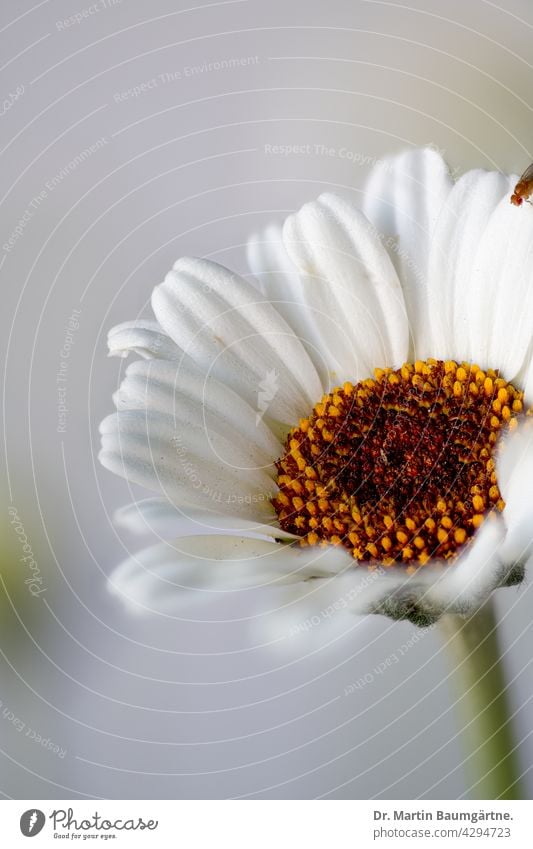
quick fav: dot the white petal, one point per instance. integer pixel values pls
(403, 199)
(225, 326)
(168, 576)
(528, 384)
(158, 516)
(354, 286)
(501, 292)
(145, 447)
(465, 584)
(437, 588)
(459, 228)
(292, 294)
(202, 403)
(144, 338)
(515, 479)
(314, 614)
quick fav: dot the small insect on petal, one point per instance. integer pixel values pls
(524, 188)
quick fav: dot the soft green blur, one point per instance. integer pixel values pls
(21, 582)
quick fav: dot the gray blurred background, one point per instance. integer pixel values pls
(169, 112)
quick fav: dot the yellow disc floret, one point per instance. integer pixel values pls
(398, 468)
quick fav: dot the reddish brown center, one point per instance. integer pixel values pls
(398, 468)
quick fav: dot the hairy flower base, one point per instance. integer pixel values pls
(399, 468)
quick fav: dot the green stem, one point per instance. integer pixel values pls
(482, 699)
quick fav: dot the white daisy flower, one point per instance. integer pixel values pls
(352, 417)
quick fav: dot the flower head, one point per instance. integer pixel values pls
(355, 415)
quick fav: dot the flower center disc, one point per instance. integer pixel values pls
(398, 468)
